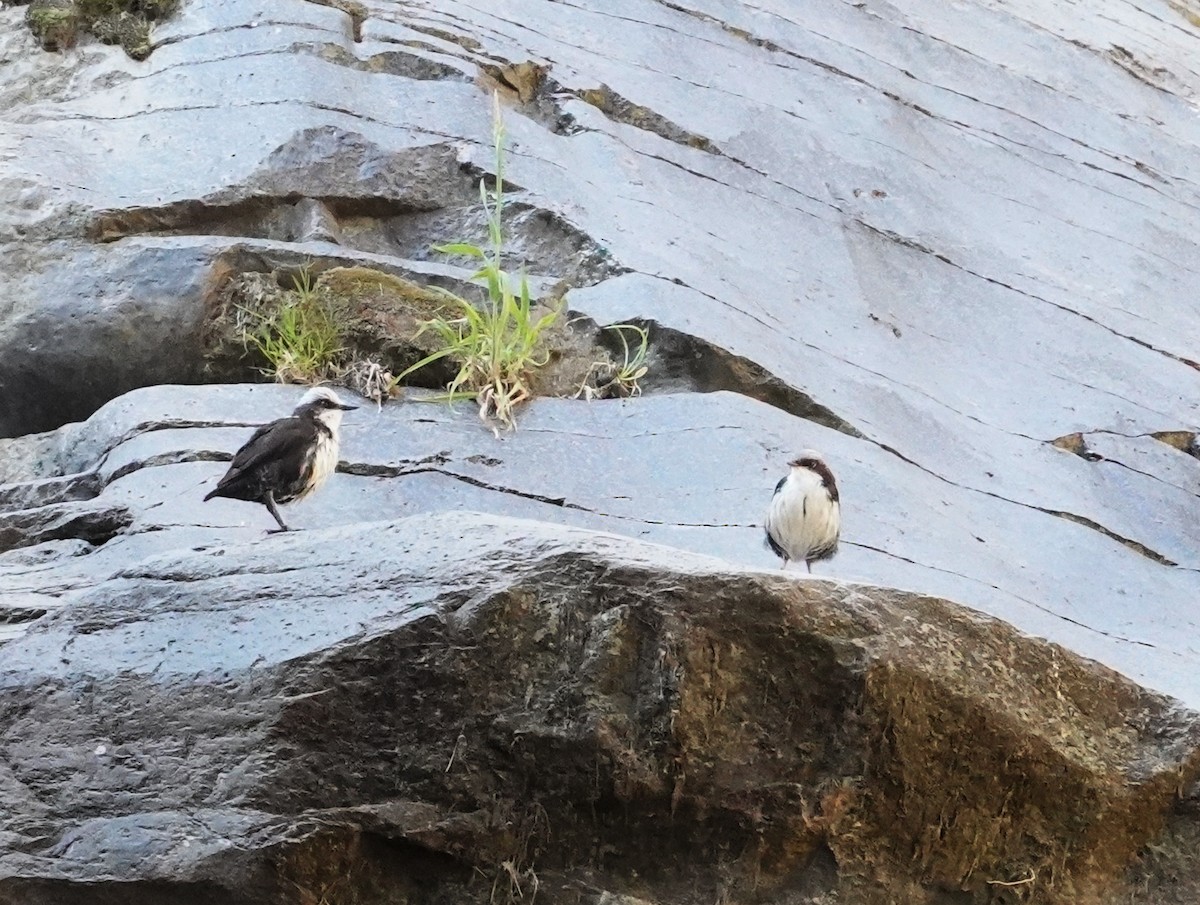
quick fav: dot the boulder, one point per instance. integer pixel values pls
(462, 705)
(616, 466)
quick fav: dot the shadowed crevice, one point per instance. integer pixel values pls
(683, 362)
(97, 524)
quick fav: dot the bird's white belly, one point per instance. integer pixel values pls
(324, 463)
(803, 519)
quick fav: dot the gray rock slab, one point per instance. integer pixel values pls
(77, 320)
(694, 471)
(957, 232)
(196, 717)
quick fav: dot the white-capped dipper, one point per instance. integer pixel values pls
(805, 516)
(288, 459)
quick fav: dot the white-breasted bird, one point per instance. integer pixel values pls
(805, 517)
(288, 459)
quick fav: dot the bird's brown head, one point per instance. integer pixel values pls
(808, 458)
(812, 460)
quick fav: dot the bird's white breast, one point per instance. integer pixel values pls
(803, 518)
(324, 461)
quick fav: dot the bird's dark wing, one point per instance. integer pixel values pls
(772, 545)
(280, 447)
(770, 541)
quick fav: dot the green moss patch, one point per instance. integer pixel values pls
(57, 24)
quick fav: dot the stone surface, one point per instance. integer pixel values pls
(616, 466)
(952, 246)
(515, 702)
(882, 219)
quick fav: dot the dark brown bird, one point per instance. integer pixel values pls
(288, 459)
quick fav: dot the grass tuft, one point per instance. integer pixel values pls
(300, 339)
(622, 378)
(499, 345)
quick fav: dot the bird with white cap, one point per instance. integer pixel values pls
(805, 518)
(288, 459)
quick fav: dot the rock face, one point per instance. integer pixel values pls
(950, 246)
(457, 706)
(617, 466)
(952, 236)
(498, 705)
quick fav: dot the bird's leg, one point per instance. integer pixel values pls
(785, 564)
(269, 502)
(809, 564)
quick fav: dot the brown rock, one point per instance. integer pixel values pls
(467, 708)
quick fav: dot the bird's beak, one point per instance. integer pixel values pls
(347, 408)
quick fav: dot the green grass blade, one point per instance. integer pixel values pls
(428, 359)
(461, 248)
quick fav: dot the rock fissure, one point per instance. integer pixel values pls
(1151, 475)
(620, 109)
(397, 62)
(1077, 444)
(776, 48)
(397, 471)
(161, 424)
(1084, 521)
(96, 524)
(170, 458)
(250, 214)
(1136, 546)
(1024, 600)
(32, 494)
(1137, 165)
(708, 368)
(228, 29)
(918, 246)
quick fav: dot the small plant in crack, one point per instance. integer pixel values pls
(498, 345)
(624, 377)
(515, 881)
(300, 339)
(514, 886)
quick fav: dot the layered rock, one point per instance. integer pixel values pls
(203, 710)
(617, 466)
(882, 221)
(457, 704)
(948, 246)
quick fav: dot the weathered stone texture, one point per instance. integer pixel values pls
(952, 246)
